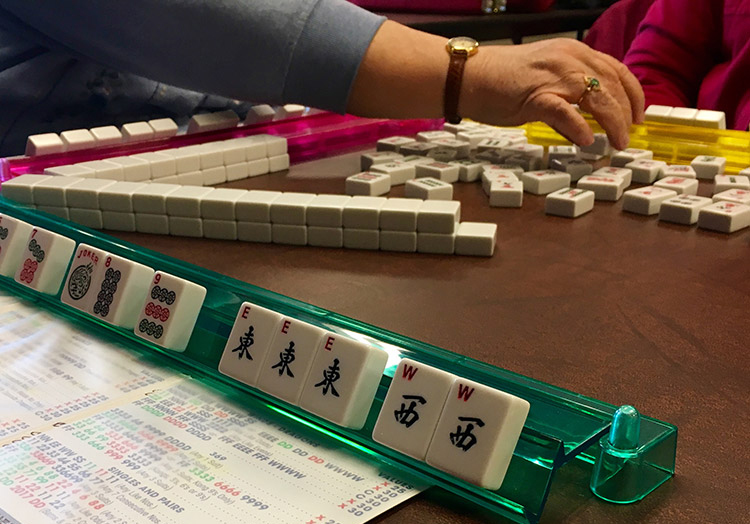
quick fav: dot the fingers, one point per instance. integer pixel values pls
(563, 117)
(631, 85)
(610, 114)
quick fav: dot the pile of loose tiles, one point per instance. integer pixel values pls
(508, 167)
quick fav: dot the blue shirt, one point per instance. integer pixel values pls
(67, 64)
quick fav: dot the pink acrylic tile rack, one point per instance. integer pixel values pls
(312, 136)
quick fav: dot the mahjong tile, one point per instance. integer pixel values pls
(439, 170)
(412, 407)
(477, 433)
(325, 236)
(575, 167)
(604, 187)
(727, 182)
(380, 157)
(327, 210)
(725, 217)
(291, 208)
(343, 379)
(625, 174)
(476, 239)
(429, 136)
(21, 188)
(683, 186)
(683, 209)
(45, 258)
(646, 200)
(569, 202)
(84, 268)
(428, 188)
(249, 342)
(681, 171)
(399, 171)
(469, 170)
(120, 286)
(600, 146)
(393, 143)
(399, 214)
(707, 167)
(626, 156)
(288, 361)
(505, 193)
(544, 182)
(363, 212)
(168, 315)
(368, 183)
(459, 147)
(399, 241)
(439, 216)
(646, 171)
(738, 196)
(14, 235)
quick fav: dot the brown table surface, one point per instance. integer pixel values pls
(501, 25)
(617, 307)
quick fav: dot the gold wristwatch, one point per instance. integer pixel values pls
(460, 49)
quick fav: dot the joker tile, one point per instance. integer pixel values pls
(86, 265)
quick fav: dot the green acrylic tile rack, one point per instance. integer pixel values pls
(631, 454)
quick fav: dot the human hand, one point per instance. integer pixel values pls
(510, 85)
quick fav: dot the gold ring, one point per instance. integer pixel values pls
(592, 84)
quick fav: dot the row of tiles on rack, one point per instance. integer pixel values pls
(157, 129)
(389, 224)
(205, 164)
(459, 426)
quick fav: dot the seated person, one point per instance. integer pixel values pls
(695, 53)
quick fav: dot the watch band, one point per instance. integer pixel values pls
(453, 87)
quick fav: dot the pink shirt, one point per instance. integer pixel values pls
(696, 53)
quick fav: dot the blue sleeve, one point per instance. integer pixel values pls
(275, 51)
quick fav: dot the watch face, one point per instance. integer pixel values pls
(463, 44)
